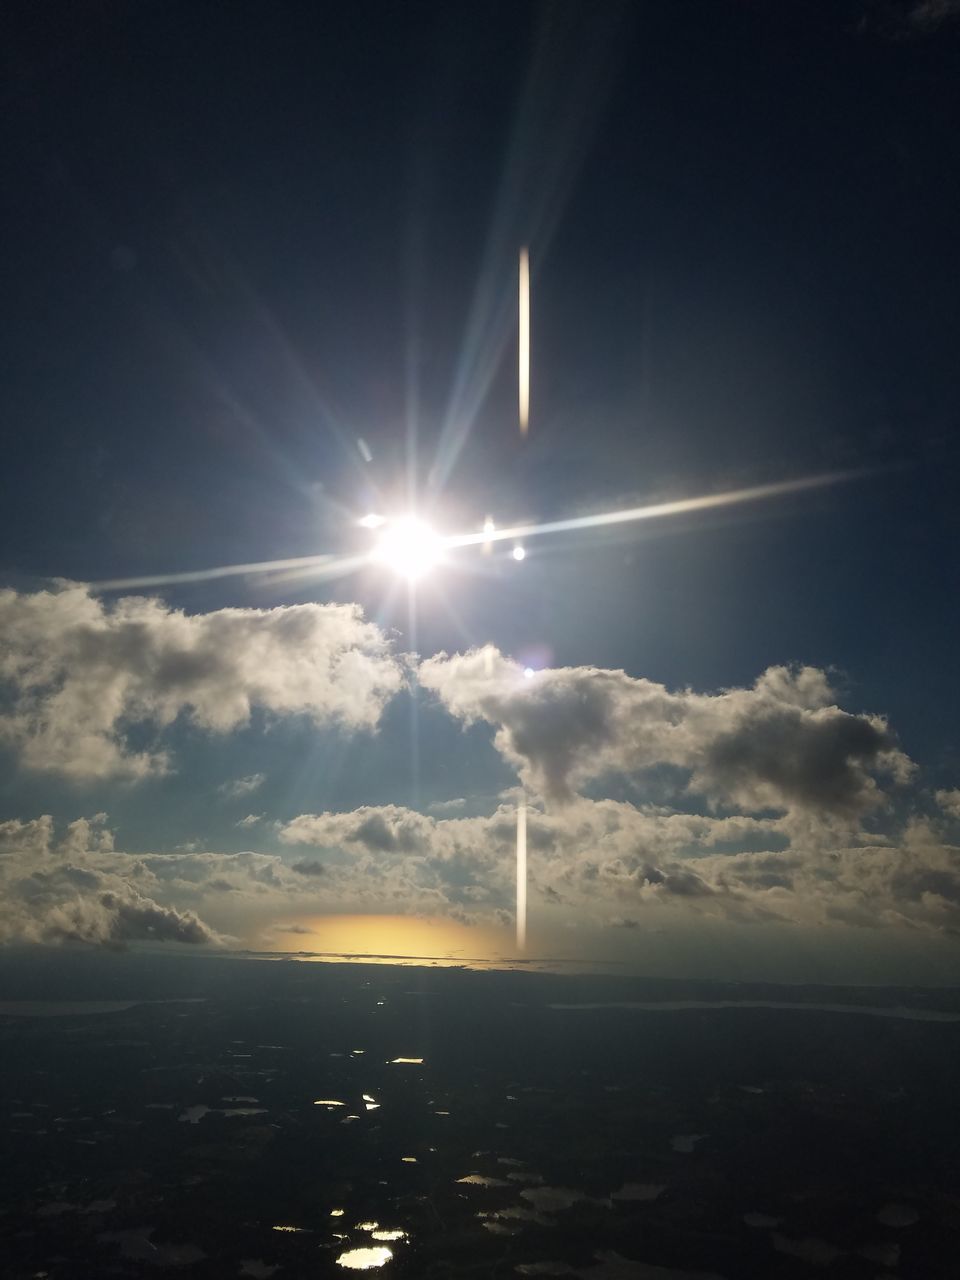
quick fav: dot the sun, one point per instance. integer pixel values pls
(408, 546)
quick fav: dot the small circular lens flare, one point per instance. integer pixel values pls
(409, 547)
(519, 553)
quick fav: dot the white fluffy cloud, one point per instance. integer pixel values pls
(80, 672)
(782, 744)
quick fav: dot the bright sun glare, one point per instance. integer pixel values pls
(408, 546)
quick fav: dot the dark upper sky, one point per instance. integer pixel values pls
(237, 237)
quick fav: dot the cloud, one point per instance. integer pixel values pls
(389, 855)
(949, 802)
(444, 808)
(611, 861)
(308, 867)
(782, 744)
(380, 829)
(239, 787)
(251, 820)
(74, 890)
(81, 672)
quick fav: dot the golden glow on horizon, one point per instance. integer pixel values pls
(391, 939)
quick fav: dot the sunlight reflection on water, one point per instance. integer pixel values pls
(365, 1259)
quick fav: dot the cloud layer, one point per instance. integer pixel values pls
(591, 862)
(80, 673)
(779, 800)
(77, 889)
(606, 861)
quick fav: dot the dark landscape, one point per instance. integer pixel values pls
(241, 1117)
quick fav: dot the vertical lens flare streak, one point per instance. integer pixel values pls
(523, 344)
(522, 876)
(488, 528)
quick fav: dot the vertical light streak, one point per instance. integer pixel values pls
(523, 345)
(488, 528)
(414, 704)
(522, 876)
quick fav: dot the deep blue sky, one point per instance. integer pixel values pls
(238, 236)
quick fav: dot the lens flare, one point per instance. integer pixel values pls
(426, 547)
(523, 344)
(410, 547)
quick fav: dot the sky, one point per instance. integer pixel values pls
(260, 270)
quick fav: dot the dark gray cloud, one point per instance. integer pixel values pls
(308, 867)
(784, 757)
(135, 918)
